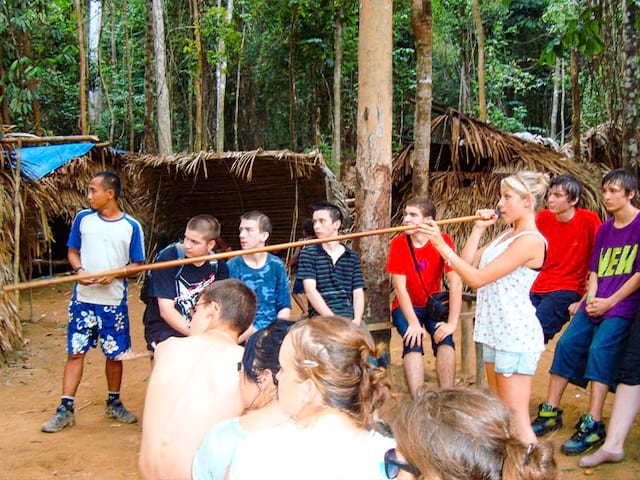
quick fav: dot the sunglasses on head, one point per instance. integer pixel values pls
(393, 465)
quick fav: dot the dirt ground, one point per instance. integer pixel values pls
(97, 448)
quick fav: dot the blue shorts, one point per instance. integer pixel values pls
(552, 309)
(508, 363)
(88, 322)
(298, 287)
(402, 325)
(589, 351)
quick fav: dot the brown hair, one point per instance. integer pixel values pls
(339, 357)
(426, 206)
(238, 302)
(264, 224)
(467, 433)
(206, 225)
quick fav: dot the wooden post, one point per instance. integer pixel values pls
(17, 218)
(466, 332)
(480, 373)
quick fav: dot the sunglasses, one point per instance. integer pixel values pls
(393, 465)
(193, 310)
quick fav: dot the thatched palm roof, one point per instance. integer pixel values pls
(600, 144)
(468, 160)
(282, 184)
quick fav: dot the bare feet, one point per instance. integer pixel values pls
(601, 456)
(133, 355)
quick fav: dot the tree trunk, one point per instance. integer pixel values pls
(103, 83)
(337, 89)
(575, 106)
(477, 20)
(149, 141)
(292, 82)
(630, 86)
(563, 96)
(113, 58)
(5, 118)
(197, 77)
(373, 159)
(83, 69)
(421, 23)
(237, 105)
(31, 85)
(221, 83)
(127, 57)
(162, 90)
(465, 68)
(553, 130)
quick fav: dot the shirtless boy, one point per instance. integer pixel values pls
(195, 381)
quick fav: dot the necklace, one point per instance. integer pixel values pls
(222, 332)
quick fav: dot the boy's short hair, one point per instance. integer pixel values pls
(264, 223)
(623, 177)
(571, 186)
(206, 225)
(426, 206)
(110, 181)
(238, 303)
(334, 212)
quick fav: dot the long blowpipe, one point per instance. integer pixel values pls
(131, 270)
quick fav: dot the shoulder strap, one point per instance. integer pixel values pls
(529, 232)
(415, 263)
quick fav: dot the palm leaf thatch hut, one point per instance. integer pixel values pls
(468, 160)
(39, 200)
(600, 144)
(282, 184)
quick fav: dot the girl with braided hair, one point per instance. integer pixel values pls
(332, 391)
(463, 433)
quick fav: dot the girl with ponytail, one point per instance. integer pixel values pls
(332, 390)
(463, 433)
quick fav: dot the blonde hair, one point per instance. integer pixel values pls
(339, 357)
(527, 183)
(467, 433)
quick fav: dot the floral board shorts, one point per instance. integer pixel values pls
(88, 322)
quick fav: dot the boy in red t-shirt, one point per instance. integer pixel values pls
(570, 233)
(414, 280)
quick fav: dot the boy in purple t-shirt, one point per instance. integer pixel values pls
(591, 348)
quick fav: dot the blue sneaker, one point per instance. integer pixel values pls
(589, 434)
(549, 419)
(117, 411)
(62, 418)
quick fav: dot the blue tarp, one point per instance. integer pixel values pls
(36, 162)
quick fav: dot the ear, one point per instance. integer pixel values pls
(310, 393)
(530, 202)
(211, 245)
(574, 202)
(265, 379)
(213, 312)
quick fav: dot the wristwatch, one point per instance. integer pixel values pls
(76, 269)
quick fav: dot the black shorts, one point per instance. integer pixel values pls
(629, 372)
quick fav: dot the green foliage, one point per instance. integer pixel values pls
(523, 38)
(582, 33)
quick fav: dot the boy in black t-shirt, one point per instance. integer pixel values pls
(174, 290)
